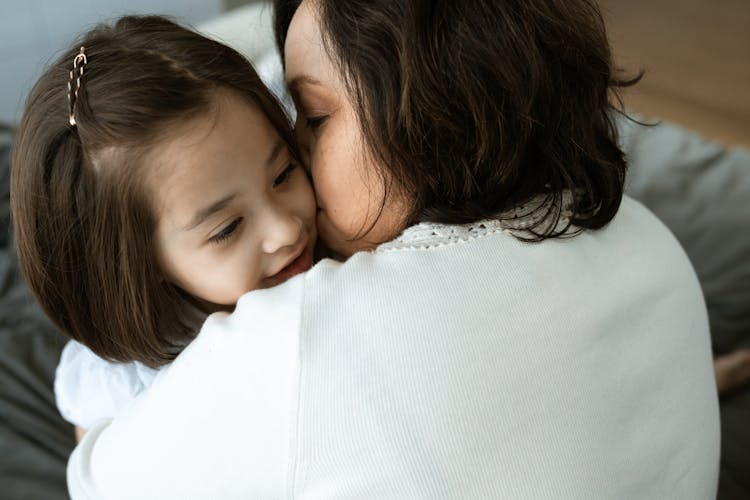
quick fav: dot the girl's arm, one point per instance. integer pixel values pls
(732, 371)
(89, 388)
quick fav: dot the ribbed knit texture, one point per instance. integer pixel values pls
(467, 364)
(453, 363)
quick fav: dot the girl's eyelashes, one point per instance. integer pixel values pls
(284, 176)
(227, 232)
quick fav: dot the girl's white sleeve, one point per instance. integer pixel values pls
(219, 422)
(89, 388)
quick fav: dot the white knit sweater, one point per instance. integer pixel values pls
(456, 362)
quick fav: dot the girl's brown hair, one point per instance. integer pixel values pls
(475, 107)
(83, 219)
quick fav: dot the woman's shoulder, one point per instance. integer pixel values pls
(427, 258)
(635, 230)
(524, 224)
(633, 225)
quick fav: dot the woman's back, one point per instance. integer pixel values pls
(455, 362)
(468, 364)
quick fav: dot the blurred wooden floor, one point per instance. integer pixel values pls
(696, 54)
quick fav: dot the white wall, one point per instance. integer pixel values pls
(33, 32)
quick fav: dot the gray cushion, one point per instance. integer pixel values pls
(34, 440)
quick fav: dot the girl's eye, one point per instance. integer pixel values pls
(284, 176)
(315, 122)
(227, 232)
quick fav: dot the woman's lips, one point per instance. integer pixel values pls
(300, 264)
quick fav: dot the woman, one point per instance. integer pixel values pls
(503, 322)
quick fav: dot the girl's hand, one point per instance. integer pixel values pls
(732, 371)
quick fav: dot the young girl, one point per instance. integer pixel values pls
(155, 180)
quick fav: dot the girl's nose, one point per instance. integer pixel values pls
(280, 228)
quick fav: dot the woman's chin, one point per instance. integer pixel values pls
(338, 242)
(345, 243)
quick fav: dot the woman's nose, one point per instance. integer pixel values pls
(281, 229)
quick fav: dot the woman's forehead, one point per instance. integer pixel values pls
(304, 51)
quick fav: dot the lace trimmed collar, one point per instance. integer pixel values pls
(516, 222)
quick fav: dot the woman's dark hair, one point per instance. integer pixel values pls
(476, 107)
(84, 220)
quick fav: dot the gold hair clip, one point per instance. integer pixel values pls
(75, 74)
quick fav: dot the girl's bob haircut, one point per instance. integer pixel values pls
(83, 219)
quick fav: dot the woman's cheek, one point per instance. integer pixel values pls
(328, 234)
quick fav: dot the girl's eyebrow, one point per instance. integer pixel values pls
(206, 212)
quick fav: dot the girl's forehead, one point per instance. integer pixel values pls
(227, 124)
(212, 156)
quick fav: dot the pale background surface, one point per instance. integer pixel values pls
(33, 32)
(696, 54)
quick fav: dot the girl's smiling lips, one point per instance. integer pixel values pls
(299, 264)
